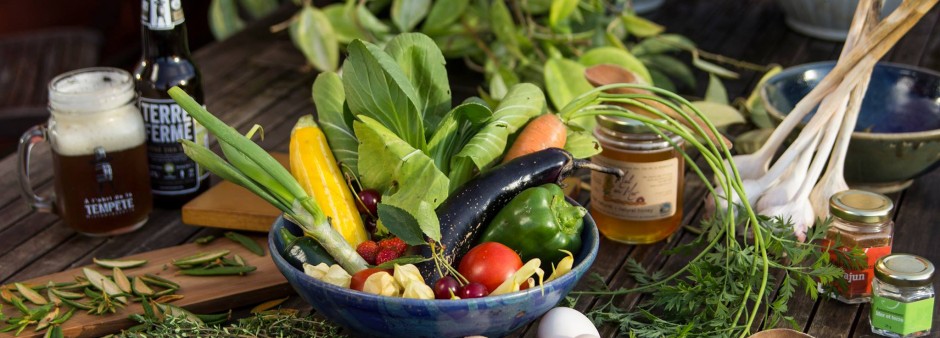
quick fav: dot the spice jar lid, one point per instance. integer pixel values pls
(904, 270)
(861, 206)
(625, 125)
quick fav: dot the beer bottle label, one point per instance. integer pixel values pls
(161, 15)
(171, 171)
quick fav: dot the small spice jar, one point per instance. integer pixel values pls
(861, 220)
(903, 296)
(645, 206)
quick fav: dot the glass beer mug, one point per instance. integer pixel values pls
(102, 184)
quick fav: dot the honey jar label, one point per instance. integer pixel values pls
(648, 191)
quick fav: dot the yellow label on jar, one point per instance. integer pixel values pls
(648, 191)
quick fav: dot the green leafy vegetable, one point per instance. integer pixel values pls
(407, 13)
(312, 32)
(564, 80)
(223, 18)
(378, 88)
(409, 177)
(423, 65)
(442, 15)
(522, 103)
(336, 122)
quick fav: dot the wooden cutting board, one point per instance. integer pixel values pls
(201, 294)
(230, 206)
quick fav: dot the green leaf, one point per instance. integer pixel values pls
(751, 141)
(755, 107)
(458, 126)
(259, 8)
(223, 19)
(582, 144)
(406, 14)
(456, 45)
(712, 68)
(504, 28)
(408, 177)
(343, 22)
(616, 56)
(368, 21)
(523, 102)
(716, 91)
(663, 44)
(403, 260)
(720, 115)
(443, 14)
(564, 81)
(378, 88)
(500, 79)
(661, 80)
(400, 223)
(423, 65)
(672, 67)
(537, 6)
(329, 97)
(639, 26)
(313, 35)
(560, 10)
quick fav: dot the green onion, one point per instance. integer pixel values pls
(253, 168)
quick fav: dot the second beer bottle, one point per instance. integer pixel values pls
(167, 62)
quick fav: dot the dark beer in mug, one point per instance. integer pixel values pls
(102, 192)
(96, 133)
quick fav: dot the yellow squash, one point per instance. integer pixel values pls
(313, 165)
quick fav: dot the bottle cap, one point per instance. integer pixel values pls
(904, 270)
(861, 206)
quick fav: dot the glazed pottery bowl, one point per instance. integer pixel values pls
(825, 19)
(369, 315)
(897, 136)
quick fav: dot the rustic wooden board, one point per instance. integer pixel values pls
(229, 206)
(201, 294)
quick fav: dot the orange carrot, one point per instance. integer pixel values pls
(546, 131)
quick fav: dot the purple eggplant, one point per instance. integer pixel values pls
(474, 204)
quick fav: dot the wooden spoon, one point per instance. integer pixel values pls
(605, 74)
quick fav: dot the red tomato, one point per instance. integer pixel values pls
(359, 279)
(489, 264)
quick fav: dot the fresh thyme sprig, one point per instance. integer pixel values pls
(267, 324)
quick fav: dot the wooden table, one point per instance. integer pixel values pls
(258, 77)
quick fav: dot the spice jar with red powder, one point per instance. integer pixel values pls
(860, 220)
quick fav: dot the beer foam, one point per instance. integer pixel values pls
(113, 130)
(94, 107)
(90, 90)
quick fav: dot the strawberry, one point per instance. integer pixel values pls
(395, 244)
(368, 250)
(385, 255)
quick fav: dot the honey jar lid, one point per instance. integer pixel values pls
(904, 270)
(625, 125)
(861, 206)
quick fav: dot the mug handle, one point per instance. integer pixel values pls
(31, 137)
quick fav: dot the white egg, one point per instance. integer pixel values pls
(564, 322)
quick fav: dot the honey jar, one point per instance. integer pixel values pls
(645, 206)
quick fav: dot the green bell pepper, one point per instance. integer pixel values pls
(538, 223)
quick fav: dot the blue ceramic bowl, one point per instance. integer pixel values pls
(897, 137)
(370, 315)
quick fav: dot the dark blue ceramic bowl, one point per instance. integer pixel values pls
(370, 315)
(897, 137)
